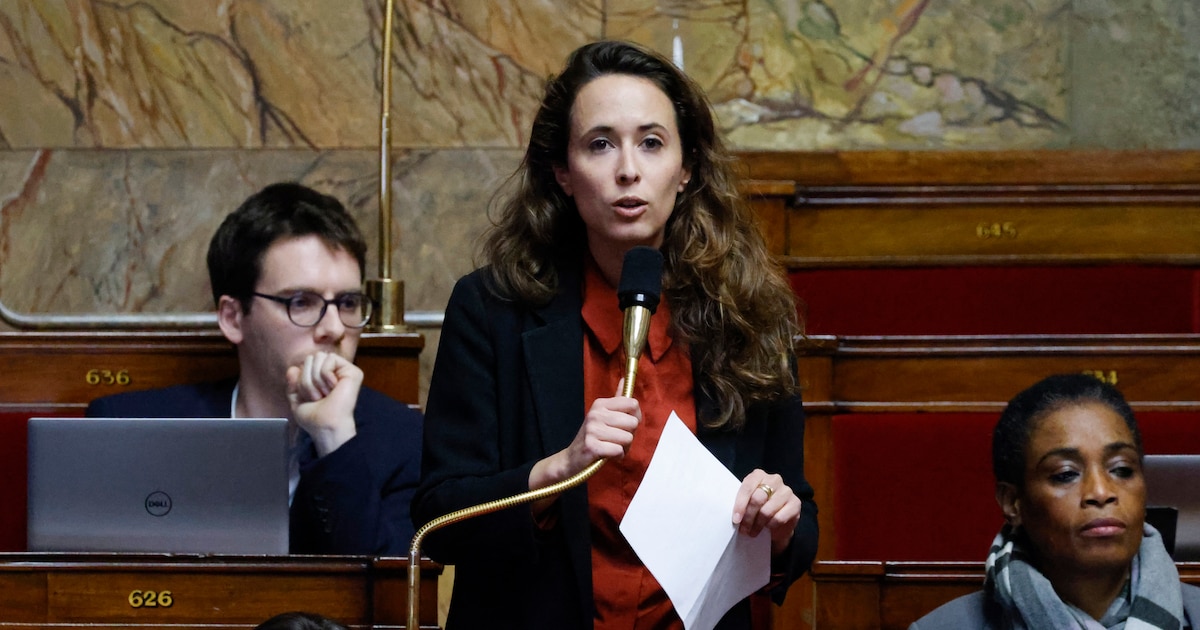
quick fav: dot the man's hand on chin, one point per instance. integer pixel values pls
(322, 392)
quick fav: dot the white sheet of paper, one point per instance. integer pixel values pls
(680, 524)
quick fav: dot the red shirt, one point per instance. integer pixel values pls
(626, 595)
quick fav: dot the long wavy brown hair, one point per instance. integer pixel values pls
(728, 297)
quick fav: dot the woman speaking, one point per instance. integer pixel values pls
(623, 154)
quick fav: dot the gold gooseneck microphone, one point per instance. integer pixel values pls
(638, 295)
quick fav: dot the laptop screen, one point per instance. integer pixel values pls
(1173, 502)
(181, 485)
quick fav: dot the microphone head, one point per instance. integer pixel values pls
(641, 278)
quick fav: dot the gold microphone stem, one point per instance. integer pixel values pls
(631, 366)
(634, 332)
(414, 550)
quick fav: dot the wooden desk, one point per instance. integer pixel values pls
(63, 371)
(58, 373)
(892, 595)
(962, 373)
(52, 590)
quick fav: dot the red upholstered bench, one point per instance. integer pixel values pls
(1114, 299)
(920, 486)
(14, 473)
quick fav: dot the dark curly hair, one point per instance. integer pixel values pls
(728, 297)
(299, 620)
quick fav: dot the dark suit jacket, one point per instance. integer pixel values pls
(975, 612)
(507, 391)
(354, 500)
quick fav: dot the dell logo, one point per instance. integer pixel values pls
(158, 503)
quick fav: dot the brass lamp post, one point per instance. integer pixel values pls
(385, 291)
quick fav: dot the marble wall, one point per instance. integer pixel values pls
(128, 128)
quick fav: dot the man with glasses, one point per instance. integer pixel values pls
(286, 270)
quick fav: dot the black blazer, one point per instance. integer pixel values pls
(354, 500)
(507, 391)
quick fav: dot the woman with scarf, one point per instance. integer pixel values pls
(1075, 551)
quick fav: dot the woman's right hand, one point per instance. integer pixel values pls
(606, 433)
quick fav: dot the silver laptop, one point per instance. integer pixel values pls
(1173, 502)
(182, 485)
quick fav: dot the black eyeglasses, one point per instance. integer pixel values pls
(307, 309)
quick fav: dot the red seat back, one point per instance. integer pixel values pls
(1115, 299)
(920, 486)
(14, 475)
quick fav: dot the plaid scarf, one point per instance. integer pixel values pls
(1152, 600)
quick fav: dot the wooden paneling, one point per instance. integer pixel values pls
(66, 370)
(972, 168)
(979, 208)
(109, 590)
(1004, 230)
(770, 201)
(982, 373)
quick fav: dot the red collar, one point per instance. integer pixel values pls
(603, 317)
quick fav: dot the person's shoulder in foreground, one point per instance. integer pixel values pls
(973, 612)
(968, 612)
(1191, 603)
(299, 620)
